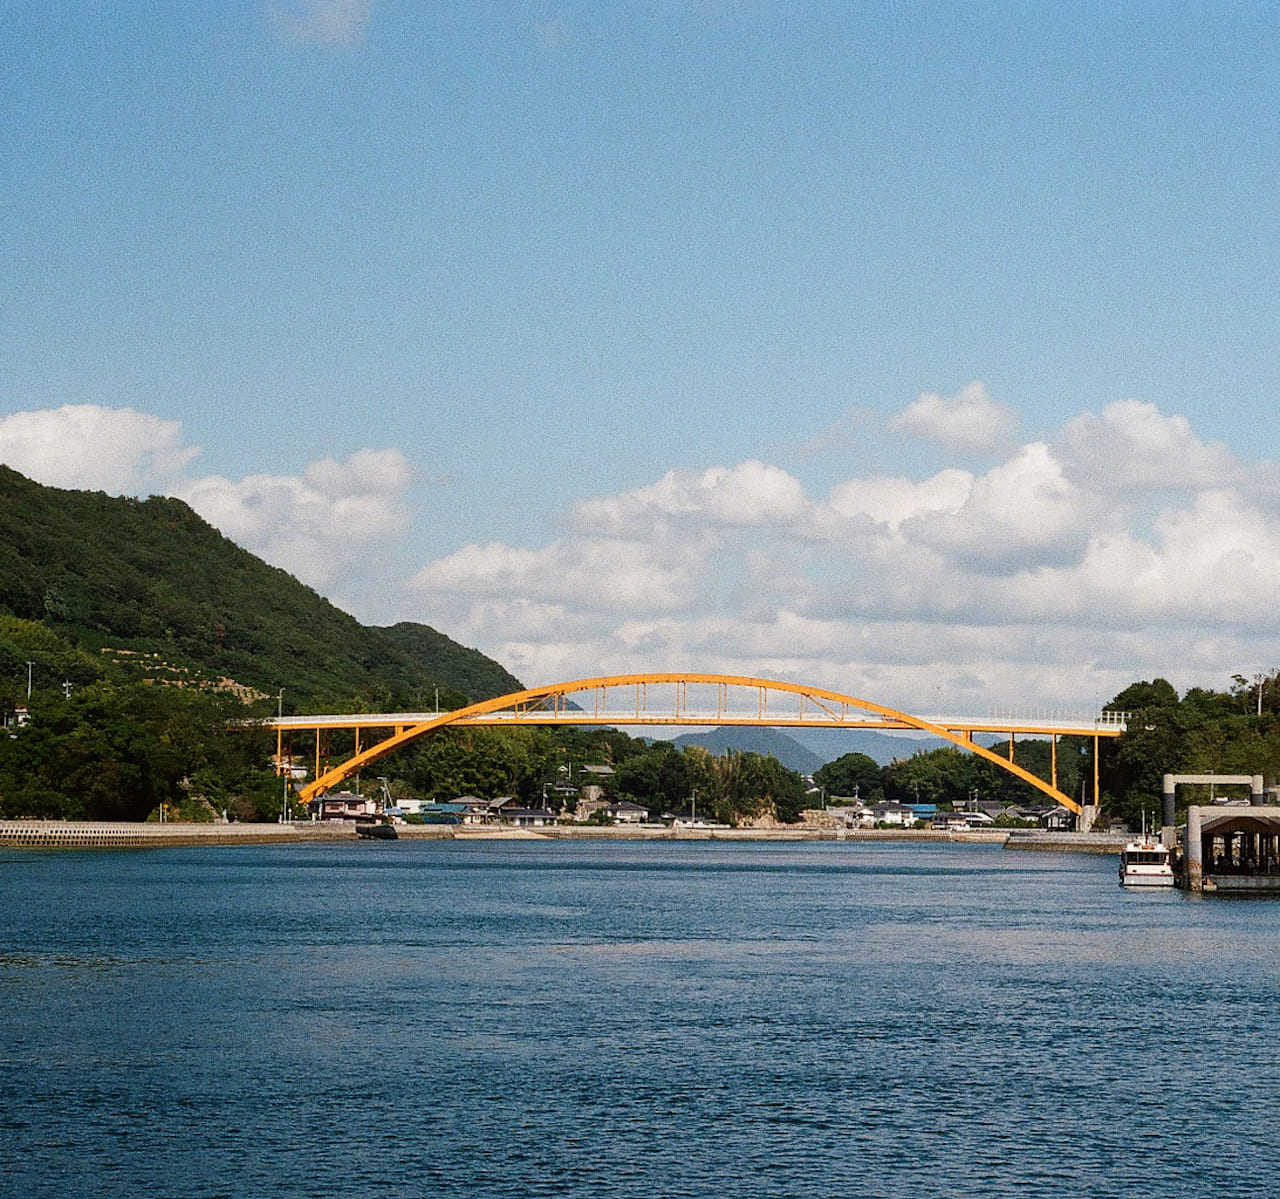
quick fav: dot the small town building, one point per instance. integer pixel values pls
(528, 817)
(626, 812)
(344, 805)
(894, 814)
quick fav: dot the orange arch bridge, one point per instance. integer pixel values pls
(703, 700)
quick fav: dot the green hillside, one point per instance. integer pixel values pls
(150, 591)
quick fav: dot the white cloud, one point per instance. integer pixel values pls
(1212, 564)
(326, 22)
(749, 494)
(1133, 445)
(592, 573)
(319, 527)
(890, 502)
(119, 450)
(970, 420)
(1040, 581)
(1020, 514)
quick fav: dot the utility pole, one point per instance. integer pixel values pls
(284, 773)
(29, 666)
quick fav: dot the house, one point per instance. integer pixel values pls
(893, 813)
(626, 812)
(1058, 820)
(443, 813)
(345, 805)
(297, 771)
(528, 817)
(511, 810)
(852, 815)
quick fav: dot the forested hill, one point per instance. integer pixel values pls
(148, 589)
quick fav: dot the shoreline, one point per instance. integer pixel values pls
(58, 834)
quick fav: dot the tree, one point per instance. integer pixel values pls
(1154, 744)
(852, 774)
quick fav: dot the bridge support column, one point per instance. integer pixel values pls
(1168, 808)
(1255, 791)
(1193, 851)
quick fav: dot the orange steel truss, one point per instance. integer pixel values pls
(690, 699)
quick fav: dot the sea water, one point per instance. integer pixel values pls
(528, 1018)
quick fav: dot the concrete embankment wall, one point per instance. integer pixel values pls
(67, 834)
(1067, 842)
(703, 833)
(58, 834)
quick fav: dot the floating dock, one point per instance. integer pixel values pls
(1232, 850)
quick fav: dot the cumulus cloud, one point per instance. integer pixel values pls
(751, 493)
(1039, 580)
(1018, 515)
(594, 573)
(890, 502)
(325, 22)
(319, 526)
(1133, 445)
(970, 420)
(1212, 563)
(86, 446)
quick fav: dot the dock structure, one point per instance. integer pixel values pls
(1170, 787)
(1233, 850)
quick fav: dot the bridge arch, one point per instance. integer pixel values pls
(814, 707)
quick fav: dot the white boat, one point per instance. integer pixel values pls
(1146, 863)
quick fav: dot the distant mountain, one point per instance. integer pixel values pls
(830, 744)
(151, 590)
(786, 749)
(884, 748)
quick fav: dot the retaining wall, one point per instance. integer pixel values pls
(67, 834)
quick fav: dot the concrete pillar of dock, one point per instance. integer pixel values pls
(1167, 803)
(1192, 852)
(1255, 791)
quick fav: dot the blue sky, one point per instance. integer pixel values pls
(925, 352)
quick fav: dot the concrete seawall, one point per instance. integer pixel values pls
(58, 834)
(1067, 842)
(66, 834)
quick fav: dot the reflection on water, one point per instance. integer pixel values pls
(530, 1018)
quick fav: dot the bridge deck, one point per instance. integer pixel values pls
(1106, 725)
